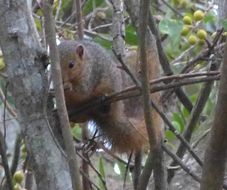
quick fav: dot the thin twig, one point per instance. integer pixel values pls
(134, 91)
(144, 35)
(165, 63)
(137, 168)
(87, 178)
(118, 38)
(167, 79)
(179, 136)
(127, 169)
(16, 155)
(194, 145)
(172, 8)
(85, 169)
(183, 166)
(95, 34)
(194, 117)
(145, 175)
(102, 26)
(88, 161)
(80, 24)
(58, 9)
(118, 26)
(29, 179)
(7, 105)
(127, 69)
(204, 54)
(4, 111)
(5, 162)
(112, 154)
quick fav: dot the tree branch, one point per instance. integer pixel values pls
(79, 20)
(134, 91)
(59, 95)
(5, 163)
(194, 117)
(215, 154)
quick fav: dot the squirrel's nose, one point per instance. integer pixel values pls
(67, 86)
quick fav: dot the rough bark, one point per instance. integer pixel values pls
(149, 70)
(222, 4)
(25, 59)
(215, 155)
(118, 27)
(59, 95)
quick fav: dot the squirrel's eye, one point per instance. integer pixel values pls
(71, 65)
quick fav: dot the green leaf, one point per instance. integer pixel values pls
(122, 169)
(209, 106)
(38, 24)
(90, 5)
(2, 63)
(131, 36)
(104, 43)
(102, 173)
(176, 126)
(76, 131)
(10, 99)
(172, 28)
(172, 50)
(210, 17)
(178, 119)
(185, 112)
(224, 23)
(66, 7)
(169, 135)
(194, 97)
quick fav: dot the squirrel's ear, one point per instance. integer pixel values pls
(80, 51)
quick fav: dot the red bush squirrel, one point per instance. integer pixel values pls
(89, 72)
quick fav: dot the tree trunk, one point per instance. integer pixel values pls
(215, 155)
(28, 82)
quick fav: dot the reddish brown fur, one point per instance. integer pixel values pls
(92, 78)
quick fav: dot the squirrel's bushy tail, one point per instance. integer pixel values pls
(124, 134)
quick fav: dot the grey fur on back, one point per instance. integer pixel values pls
(97, 58)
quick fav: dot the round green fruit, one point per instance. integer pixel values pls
(185, 31)
(18, 176)
(23, 155)
(201, 42)
(213, 34)
(101, 15)
(202, 34)
(23, 148)
(224, 34)
(2, 63)
(183, 3)
(192, 39)
(198, 15)
(176, 2)
(16, 187)
(187, 20)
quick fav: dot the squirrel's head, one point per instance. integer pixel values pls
(72, 56)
